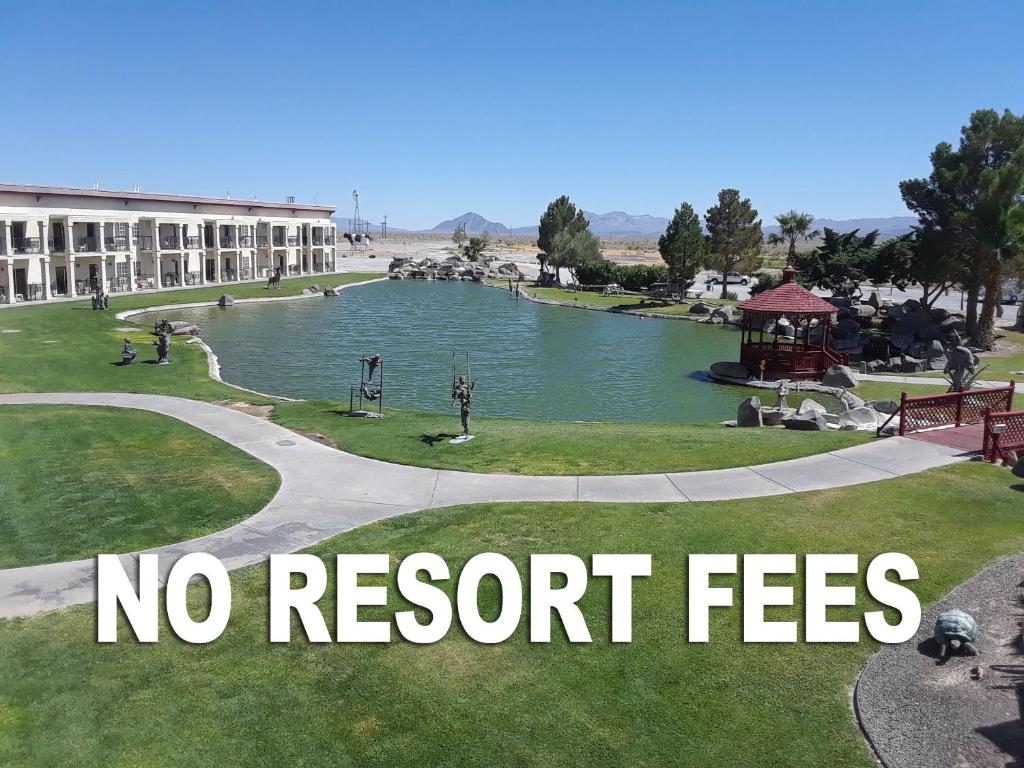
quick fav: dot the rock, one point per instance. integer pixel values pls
(842, 302)
(901, 341)
(911, 305)
(329, 291)
(226, 300)
(862, 418)
(699, 309)
(808, 422)
(912, 365)
(772, 417)
(748, 414)
(729, 370)
(937, 363)
(866, 311)
(938, 314)
(1018, 468)
(723, 314)
(953, 323)
(874, 300)
(884, 406)
(876, 366)
(181, 328)
(811, 406)
(839, 376)
(932, 349)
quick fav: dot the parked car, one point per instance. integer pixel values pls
(732, 277)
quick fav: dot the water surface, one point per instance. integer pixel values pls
(530, 360)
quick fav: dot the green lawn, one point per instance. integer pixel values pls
(68, 346)
(76, 481)
(65, 700)
(543, 448)
(622, 303)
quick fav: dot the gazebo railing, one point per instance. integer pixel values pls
(1004, 432)
(793, 356)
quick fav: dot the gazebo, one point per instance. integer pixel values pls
(781, 355)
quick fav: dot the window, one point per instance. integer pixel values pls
(121, 268)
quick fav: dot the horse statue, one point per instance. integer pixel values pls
(275, 279)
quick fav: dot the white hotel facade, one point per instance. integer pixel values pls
(57, 241)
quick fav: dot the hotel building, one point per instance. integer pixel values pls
(57, 241)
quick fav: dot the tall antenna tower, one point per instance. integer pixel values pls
(356, 225)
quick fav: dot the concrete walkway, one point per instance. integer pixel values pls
(936, 380)
(325, 492)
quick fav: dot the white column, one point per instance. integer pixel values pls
(72, 288)
(130, 259)
(101, 242)
(157, 269)
(45, 264)
(8, 277)
(8, 239)
(103, 272)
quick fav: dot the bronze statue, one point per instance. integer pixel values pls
(163, 346)
(275, 279)
(129, 353)
(462, 392)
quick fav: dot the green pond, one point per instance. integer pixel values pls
(529, 360)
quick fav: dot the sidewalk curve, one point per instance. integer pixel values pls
(325, 491)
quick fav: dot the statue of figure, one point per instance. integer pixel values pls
(782, 391)
(275, 279)
(372, 363)
(163, 345)
(957, 632)
(162, 326)
(370, 393)
(128, 353)
(961, 368)
(463, 393)
(104, 300)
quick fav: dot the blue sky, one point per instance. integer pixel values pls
(431, 110)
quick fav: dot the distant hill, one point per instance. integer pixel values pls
(474, 224)
(888, 228)
(615, 224)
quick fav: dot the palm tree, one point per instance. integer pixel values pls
(793, 226)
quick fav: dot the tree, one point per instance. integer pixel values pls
(839, 264)
(793, 226)
(476, 246)
(573, 250)
(735, 234)
(683, 246)
(968, 199)
(459, 235)
(561, 215)
(921, 257)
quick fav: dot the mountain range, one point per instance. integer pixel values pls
(621, 224)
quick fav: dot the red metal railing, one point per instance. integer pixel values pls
(1004, 432)
(952, 409)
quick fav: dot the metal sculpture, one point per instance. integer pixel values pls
(367, 389)
(462, 393)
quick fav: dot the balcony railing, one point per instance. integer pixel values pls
(116, 243)
(293, 240)
(169, 243)
(145, 242)
(262, 241)
(226, 241)
(278, 242)
(57, 246)
(85, 244)
(26, 245)
(192, 242)
(244, 241)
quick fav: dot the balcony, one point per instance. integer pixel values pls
(85, 244)
(145, 242)
(192, 242)
(293, 240)
(244, 241)
(169, 243)
(116, 243)
(262, 241)
(26, 245)
(57, 245)
(278, 241)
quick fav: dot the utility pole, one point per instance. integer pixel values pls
(384, 228)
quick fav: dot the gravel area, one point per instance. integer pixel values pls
(916, 711)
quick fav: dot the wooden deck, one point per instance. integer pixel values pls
(969, 437)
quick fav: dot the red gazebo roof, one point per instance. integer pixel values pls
(790, 298)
